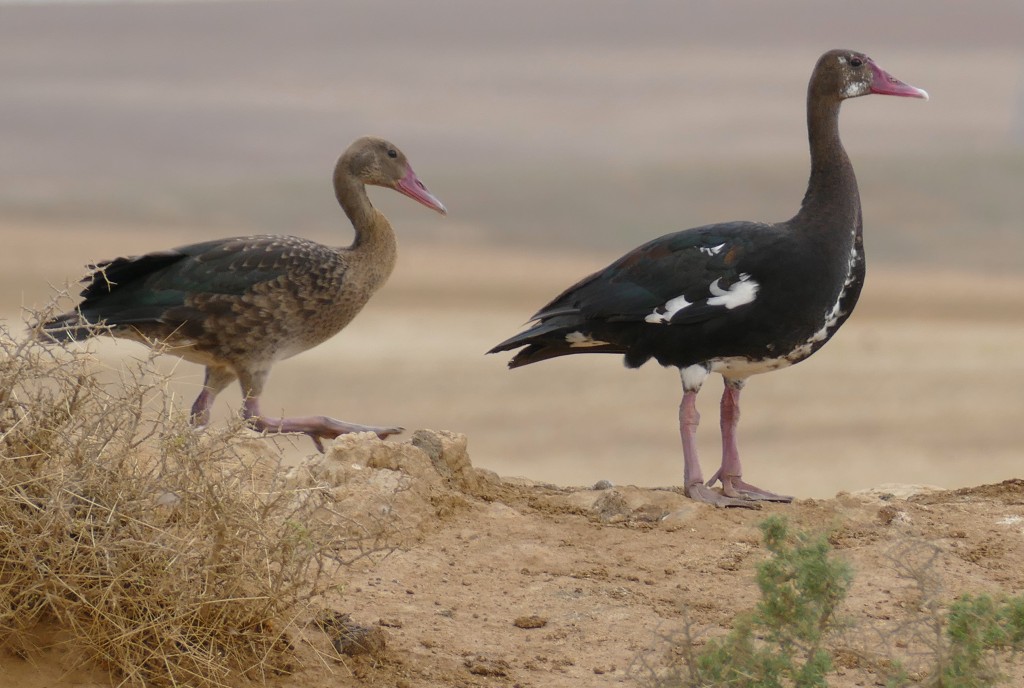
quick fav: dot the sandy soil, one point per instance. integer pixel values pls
(511, 583)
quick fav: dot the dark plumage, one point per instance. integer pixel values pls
(737, 298)
(239, 305)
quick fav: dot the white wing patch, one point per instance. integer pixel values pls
(739, 293)
(668, 311)
(578, 339)
(712, 250)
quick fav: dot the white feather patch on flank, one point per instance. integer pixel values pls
(671, 307)
(712, 250)
(739, 293)
(578, 339)
(832, 317)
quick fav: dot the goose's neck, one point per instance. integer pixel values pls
(374, 241)
(832, 188)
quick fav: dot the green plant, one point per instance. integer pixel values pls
(791, 636)
(979, 629)
(966, 643)
(783, 641)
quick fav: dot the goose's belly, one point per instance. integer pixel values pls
(304, 328)
(256, 330)
(740, 367)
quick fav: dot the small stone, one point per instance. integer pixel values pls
(603, 485)
(532, 621)
(887, 514)
(447, 452)
(650, 513)
(611, 508)
(351, 638)
(486, 666)
(680, 518)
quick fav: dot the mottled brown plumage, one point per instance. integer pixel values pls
(239, 305)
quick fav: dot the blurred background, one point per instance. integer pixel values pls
(560, 135)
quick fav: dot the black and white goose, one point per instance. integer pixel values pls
(737, 298)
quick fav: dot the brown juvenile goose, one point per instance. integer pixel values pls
(239, 305)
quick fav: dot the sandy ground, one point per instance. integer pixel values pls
(512, 583)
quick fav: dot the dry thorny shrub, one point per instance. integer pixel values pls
(165, 555)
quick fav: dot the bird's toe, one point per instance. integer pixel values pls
(736, 488)
(701, 493)
(384, 433)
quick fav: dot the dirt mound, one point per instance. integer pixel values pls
(514, 582)
(413, 484)
(506, 582)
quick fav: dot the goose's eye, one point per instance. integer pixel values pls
(392, 153)
(856, 62)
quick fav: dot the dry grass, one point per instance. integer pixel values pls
(165, 555)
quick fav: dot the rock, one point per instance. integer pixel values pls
(350, 638)
(499, 510)
(532, 621)
(519, 481)
(387, 480)
(887, 491)
(619, 504)
(365, 449)
(680, 518)
(480, 665)
(611, 507)
(448, 453)
(356, 449)
(651, 513)
(487, 477)
(395, 484)
(889, 515)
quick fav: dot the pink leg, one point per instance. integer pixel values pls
(200, 415)
(317, 427)
(731, 471)
(693, 481)
(214, 383)
(689, 419)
